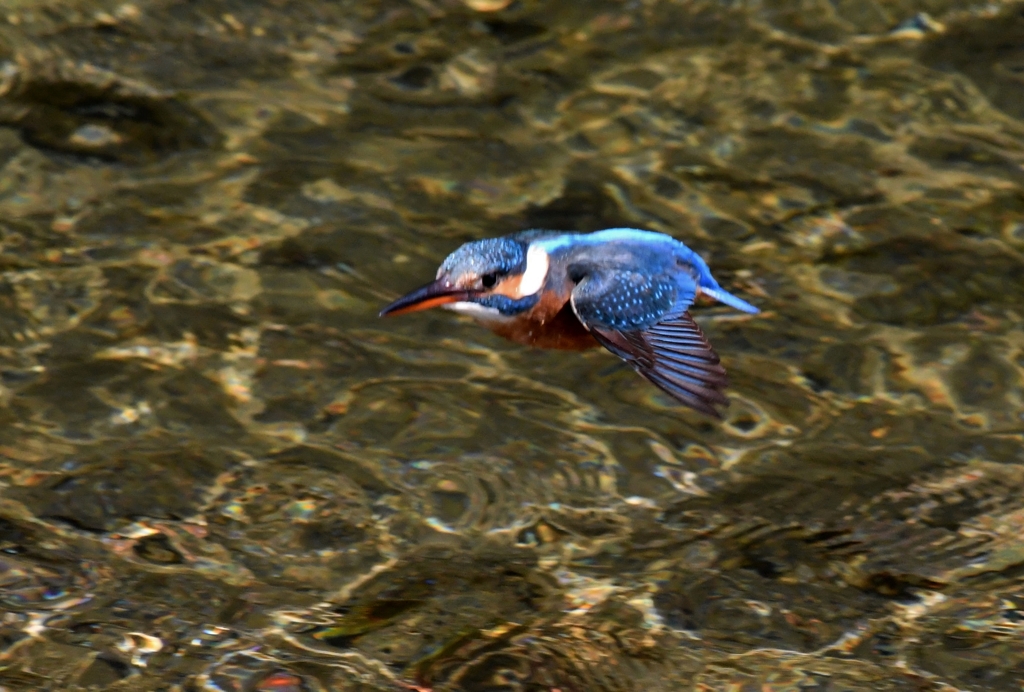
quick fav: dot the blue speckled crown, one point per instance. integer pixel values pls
(498, 255)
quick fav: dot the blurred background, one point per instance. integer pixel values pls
(219, 470)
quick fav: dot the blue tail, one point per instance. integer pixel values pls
(723, 296)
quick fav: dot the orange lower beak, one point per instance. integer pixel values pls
(439, 292)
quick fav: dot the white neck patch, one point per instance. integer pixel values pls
(480, 312)
(537, 264)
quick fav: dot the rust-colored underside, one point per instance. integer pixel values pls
(563, 331)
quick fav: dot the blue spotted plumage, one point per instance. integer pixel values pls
(625, 299)
(626, 289)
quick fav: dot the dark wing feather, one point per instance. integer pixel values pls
(653, 332)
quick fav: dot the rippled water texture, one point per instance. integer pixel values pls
(219, 470)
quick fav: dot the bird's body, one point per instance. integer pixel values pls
(625, 289)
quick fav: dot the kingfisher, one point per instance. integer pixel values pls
(625, 289)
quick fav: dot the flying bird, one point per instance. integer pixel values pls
(626, 289)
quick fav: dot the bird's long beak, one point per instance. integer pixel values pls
(440, 292)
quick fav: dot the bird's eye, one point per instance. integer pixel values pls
(488, 280)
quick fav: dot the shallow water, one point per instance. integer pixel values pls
(221, 471)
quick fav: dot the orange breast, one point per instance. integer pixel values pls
(551, 324)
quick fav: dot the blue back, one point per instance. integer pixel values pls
(654, 253)
(657, 246)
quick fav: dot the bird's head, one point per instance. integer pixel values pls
(484, 272)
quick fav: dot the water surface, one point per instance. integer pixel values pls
(221, 471)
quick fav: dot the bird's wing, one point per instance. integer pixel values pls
(644, 320)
